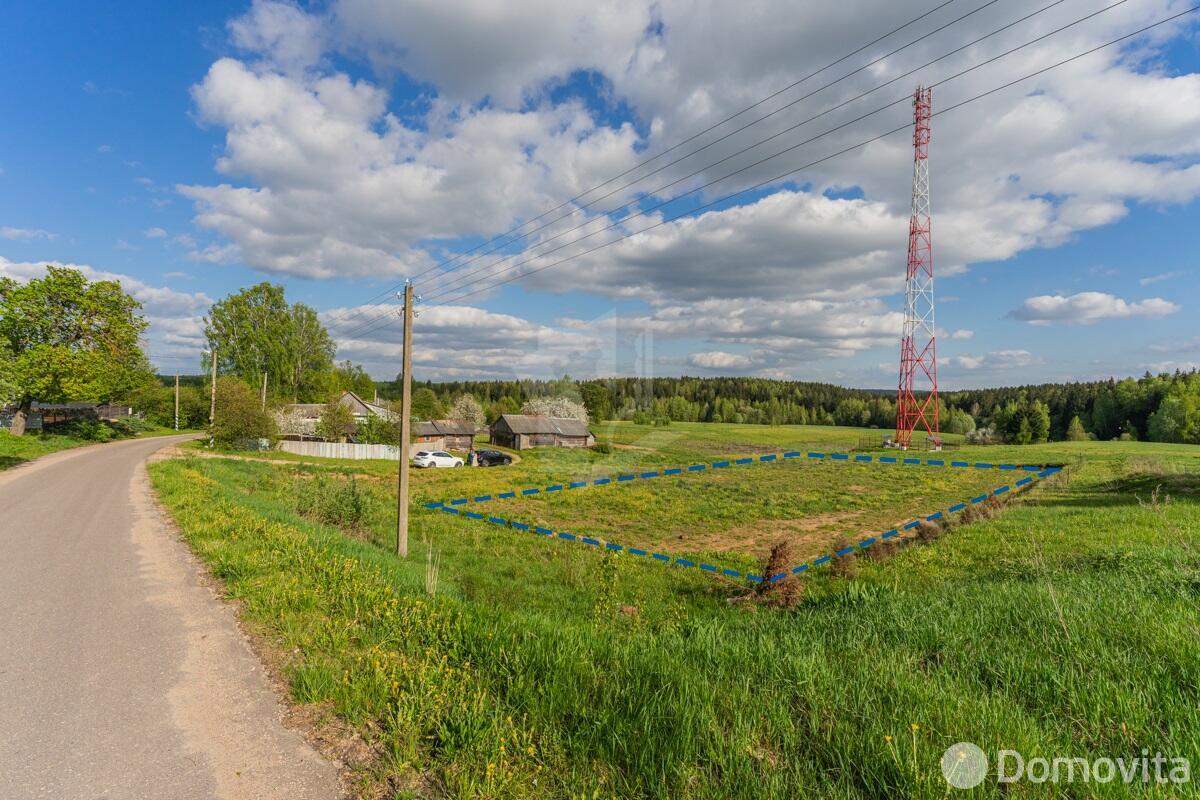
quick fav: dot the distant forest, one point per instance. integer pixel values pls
(1162, 408)
(1157, 407)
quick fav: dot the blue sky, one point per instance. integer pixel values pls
(192, 149)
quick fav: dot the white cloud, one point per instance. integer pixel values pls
(997, 360)
(1158, 367)
(961, 333)
(282, 33)
(317, 143)
(155, 233)
(1165, 276)
(347, 189)
(500, 50)
(720, 361)
(323, 179)
(1086, 308)
(26, 234)
(464, 342)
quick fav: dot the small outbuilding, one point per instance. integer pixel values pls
(445, 434)
(521, 431)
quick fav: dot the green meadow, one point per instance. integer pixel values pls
(496, 663)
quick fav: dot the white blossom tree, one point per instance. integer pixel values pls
(556, 407)
(468, 408)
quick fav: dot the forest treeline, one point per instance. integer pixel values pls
(1155, 407)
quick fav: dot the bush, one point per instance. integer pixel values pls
(641, 418)
(239, 414)
(332, 502)
(602, 447)
(131, 426)
(88, 430)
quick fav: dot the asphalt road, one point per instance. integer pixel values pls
(122, 674)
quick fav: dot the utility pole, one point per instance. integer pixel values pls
(212, 403)
(176, 400)
(264, 391)
(405, 425)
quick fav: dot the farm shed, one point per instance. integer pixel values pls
(520, 432)
(446, 434)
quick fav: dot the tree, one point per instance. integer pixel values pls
(556, 407)
(425, 405)
(468, 408)
(239, 414)
(852, 413)
(256, 331)
(350, 377)
(1178, 416)
(505, 405)
(596, 401)
(958, 421)
(336, 422)
(1075, 431)
(63, 338)
(377, 430)
(291, 422)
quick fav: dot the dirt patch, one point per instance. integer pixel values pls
(807, 537)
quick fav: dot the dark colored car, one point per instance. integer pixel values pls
(493, 458)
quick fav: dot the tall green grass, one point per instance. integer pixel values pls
(1066, 625)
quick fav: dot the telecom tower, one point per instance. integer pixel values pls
(918, 349)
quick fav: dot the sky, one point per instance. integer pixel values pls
(338, 148)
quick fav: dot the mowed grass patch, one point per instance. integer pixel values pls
(746, 509)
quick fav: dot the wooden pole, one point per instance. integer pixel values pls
(264, 391)
(176, 401)
(212, 403)
(405, 426)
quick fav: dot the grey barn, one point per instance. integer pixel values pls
(520, 432)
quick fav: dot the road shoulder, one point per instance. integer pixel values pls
(224, 702)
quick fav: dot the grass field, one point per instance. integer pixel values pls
(16, 450)
(1064, 626)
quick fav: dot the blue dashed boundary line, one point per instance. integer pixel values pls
(662, 558)
(724, 464)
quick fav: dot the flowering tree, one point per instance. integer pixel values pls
(468, 408)
(556, 407)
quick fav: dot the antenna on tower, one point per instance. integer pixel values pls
(918, 345)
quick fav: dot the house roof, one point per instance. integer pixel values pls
(564, 426)
(446, 427)
(349, 399)
(454, 427)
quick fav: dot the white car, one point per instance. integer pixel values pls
(435, 458)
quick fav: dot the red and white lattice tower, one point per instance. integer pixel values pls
(918, 348)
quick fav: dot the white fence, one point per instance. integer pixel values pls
(341, 450)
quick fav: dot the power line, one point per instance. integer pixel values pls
(757, 163)
(716, 141)
(843, 151)
(905, 98)
(693, 137)
(372, 323)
